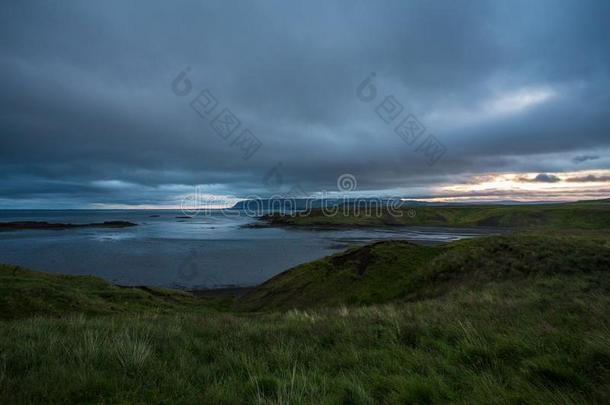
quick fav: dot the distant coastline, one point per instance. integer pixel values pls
(42, 225)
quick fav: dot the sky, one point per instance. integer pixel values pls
(139, 104)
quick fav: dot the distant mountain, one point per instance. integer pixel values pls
(292, 204)
(297, 204)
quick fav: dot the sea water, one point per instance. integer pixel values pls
(205, 251)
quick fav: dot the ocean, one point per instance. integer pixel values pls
(214, 250)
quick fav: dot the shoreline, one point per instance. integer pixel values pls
(58, 226)
(485, 229)
(220, 292)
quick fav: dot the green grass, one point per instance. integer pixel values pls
(25, 293)
(512, 319)
(393, 270)
(581, 215)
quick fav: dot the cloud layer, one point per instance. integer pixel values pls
(88, 114)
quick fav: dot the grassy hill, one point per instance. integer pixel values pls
(583, 215)
(394, 270)
(25, 293)
(515, 319)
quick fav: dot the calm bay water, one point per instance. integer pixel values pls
(206, 251)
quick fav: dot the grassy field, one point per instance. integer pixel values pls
(510, 319)
(581, 215)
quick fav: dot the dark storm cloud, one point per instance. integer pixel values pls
(584, 158)
(86, 93)
(541, 178)
(588, 178)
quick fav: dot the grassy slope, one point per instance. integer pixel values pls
(497, 320)
(402, 270)
(25, 293)
(585, 215)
